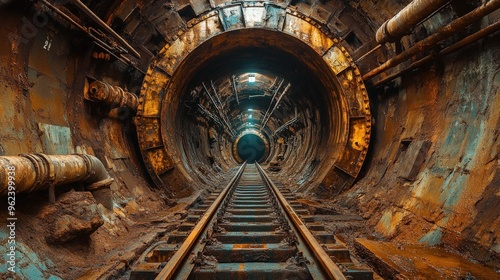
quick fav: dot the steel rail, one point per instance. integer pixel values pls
(168, 272)
(329, 266)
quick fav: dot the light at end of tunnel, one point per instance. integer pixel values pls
(250, 110)
(251, 78)
(250, 116)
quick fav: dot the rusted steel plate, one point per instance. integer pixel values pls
(337, 59)
(152, 93)
(307, 32)
(232, 17)
(356, 147)
(151, 134)
(160, 160)
(254, 16)
(275, 17)
(56, 139)
(355, 93)
(173, 54)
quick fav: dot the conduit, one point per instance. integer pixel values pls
(110, 95)
(406, 19)
(431, 41)
(455, 47)
(33, 172)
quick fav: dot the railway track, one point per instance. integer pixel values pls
(250, 229)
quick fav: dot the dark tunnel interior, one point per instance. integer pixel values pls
(124, 123)
(251, 148)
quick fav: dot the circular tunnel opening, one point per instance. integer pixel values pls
(255, 80)
(251, 148)
(275, 86)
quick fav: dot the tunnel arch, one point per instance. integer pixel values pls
(237, 27)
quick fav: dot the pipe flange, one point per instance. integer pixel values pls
(51, 178)
(42, 170)
(88, 164)
(382, 35)
(106, 183)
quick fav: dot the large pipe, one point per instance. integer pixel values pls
(431, 41)
(34, 172)
(110, 95)
(406, 19)
(460, 44)
(101, 23)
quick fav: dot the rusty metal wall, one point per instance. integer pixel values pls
(438, 142)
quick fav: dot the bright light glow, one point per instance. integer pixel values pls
(250, 116)
(250, 110)
(251, 79)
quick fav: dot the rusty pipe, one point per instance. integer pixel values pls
(107, 94)
(431, 41)
(448, 50)
(406, 19)
(32, 172)
(106, 27)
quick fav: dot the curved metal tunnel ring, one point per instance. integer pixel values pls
(329, 91)
(251, 145)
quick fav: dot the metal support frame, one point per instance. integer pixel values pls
(106, 27)
(286, 125)
(214, 118)
(97, 41)
(235, 89)
(268, 116)
(219, 109)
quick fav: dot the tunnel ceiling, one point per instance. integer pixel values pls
(258, 69)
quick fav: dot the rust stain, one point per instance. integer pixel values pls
(249, 246)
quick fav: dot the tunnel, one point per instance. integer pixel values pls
(123, 122)
(250, 148)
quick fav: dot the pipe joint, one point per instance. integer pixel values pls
(110, 95)
(382, 36)
(44, 171)
(39, 171)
